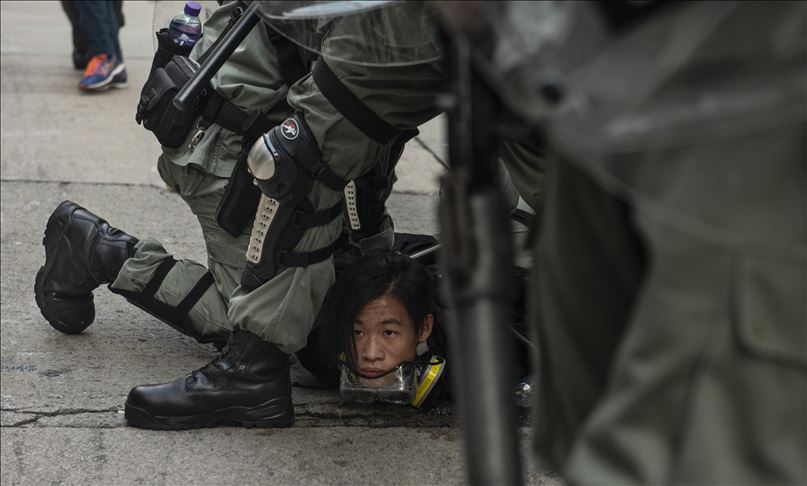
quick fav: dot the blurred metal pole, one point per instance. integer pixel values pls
(477, 261)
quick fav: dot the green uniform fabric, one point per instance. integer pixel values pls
(672, 261)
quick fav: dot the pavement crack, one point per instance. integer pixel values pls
(62, 412)
(326, 419)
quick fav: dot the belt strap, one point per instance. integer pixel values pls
(251, 123)
(350, 106)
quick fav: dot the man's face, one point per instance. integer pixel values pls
(385, 335)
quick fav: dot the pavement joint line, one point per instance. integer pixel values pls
(29, 54)
(155, 186)
(89, 183)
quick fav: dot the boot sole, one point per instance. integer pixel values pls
(83, 304)
(264, 415)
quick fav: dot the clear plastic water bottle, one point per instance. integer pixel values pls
(186, 28)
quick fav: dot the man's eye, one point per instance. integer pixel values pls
(389, 332)
(357, 332)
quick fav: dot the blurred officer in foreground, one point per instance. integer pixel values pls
(671, 264)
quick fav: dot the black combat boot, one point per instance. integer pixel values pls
(81, 252)
(248, 385)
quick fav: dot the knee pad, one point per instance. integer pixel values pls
(285, 162)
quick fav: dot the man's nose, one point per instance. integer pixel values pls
(373, 350)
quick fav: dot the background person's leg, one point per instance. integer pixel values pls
(80, 54)
(99, 25)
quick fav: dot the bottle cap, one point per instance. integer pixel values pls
(193, 8)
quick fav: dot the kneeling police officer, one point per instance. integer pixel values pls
(333, 130)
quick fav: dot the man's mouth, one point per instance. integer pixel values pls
(372, 372)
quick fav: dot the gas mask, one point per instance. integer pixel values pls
(408, 383)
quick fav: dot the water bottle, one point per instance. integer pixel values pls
(186, 28)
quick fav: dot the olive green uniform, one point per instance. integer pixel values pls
(672, 262)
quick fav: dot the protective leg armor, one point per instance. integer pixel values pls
(285, 162)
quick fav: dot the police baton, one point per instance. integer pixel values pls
(477, 261)
(215, 57)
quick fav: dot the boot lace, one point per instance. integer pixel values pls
(211, 367)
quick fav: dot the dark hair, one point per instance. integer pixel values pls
(368, 279)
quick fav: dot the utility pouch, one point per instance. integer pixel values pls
(156, 108)
(240, 201)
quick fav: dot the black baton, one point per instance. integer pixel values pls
(215, 57)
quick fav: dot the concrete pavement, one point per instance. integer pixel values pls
(62, 396)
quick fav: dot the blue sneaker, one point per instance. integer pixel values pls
(100, 72)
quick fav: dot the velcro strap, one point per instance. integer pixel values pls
(157, 280)
(350, 106)
(317, 218)
(251, 123)
(292, 259)
(194, 295)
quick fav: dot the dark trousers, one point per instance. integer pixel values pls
(95, 26)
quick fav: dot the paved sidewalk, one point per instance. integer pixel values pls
(62, 396)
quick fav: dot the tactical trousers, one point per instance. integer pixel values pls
(202, 192)
(671, 324)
